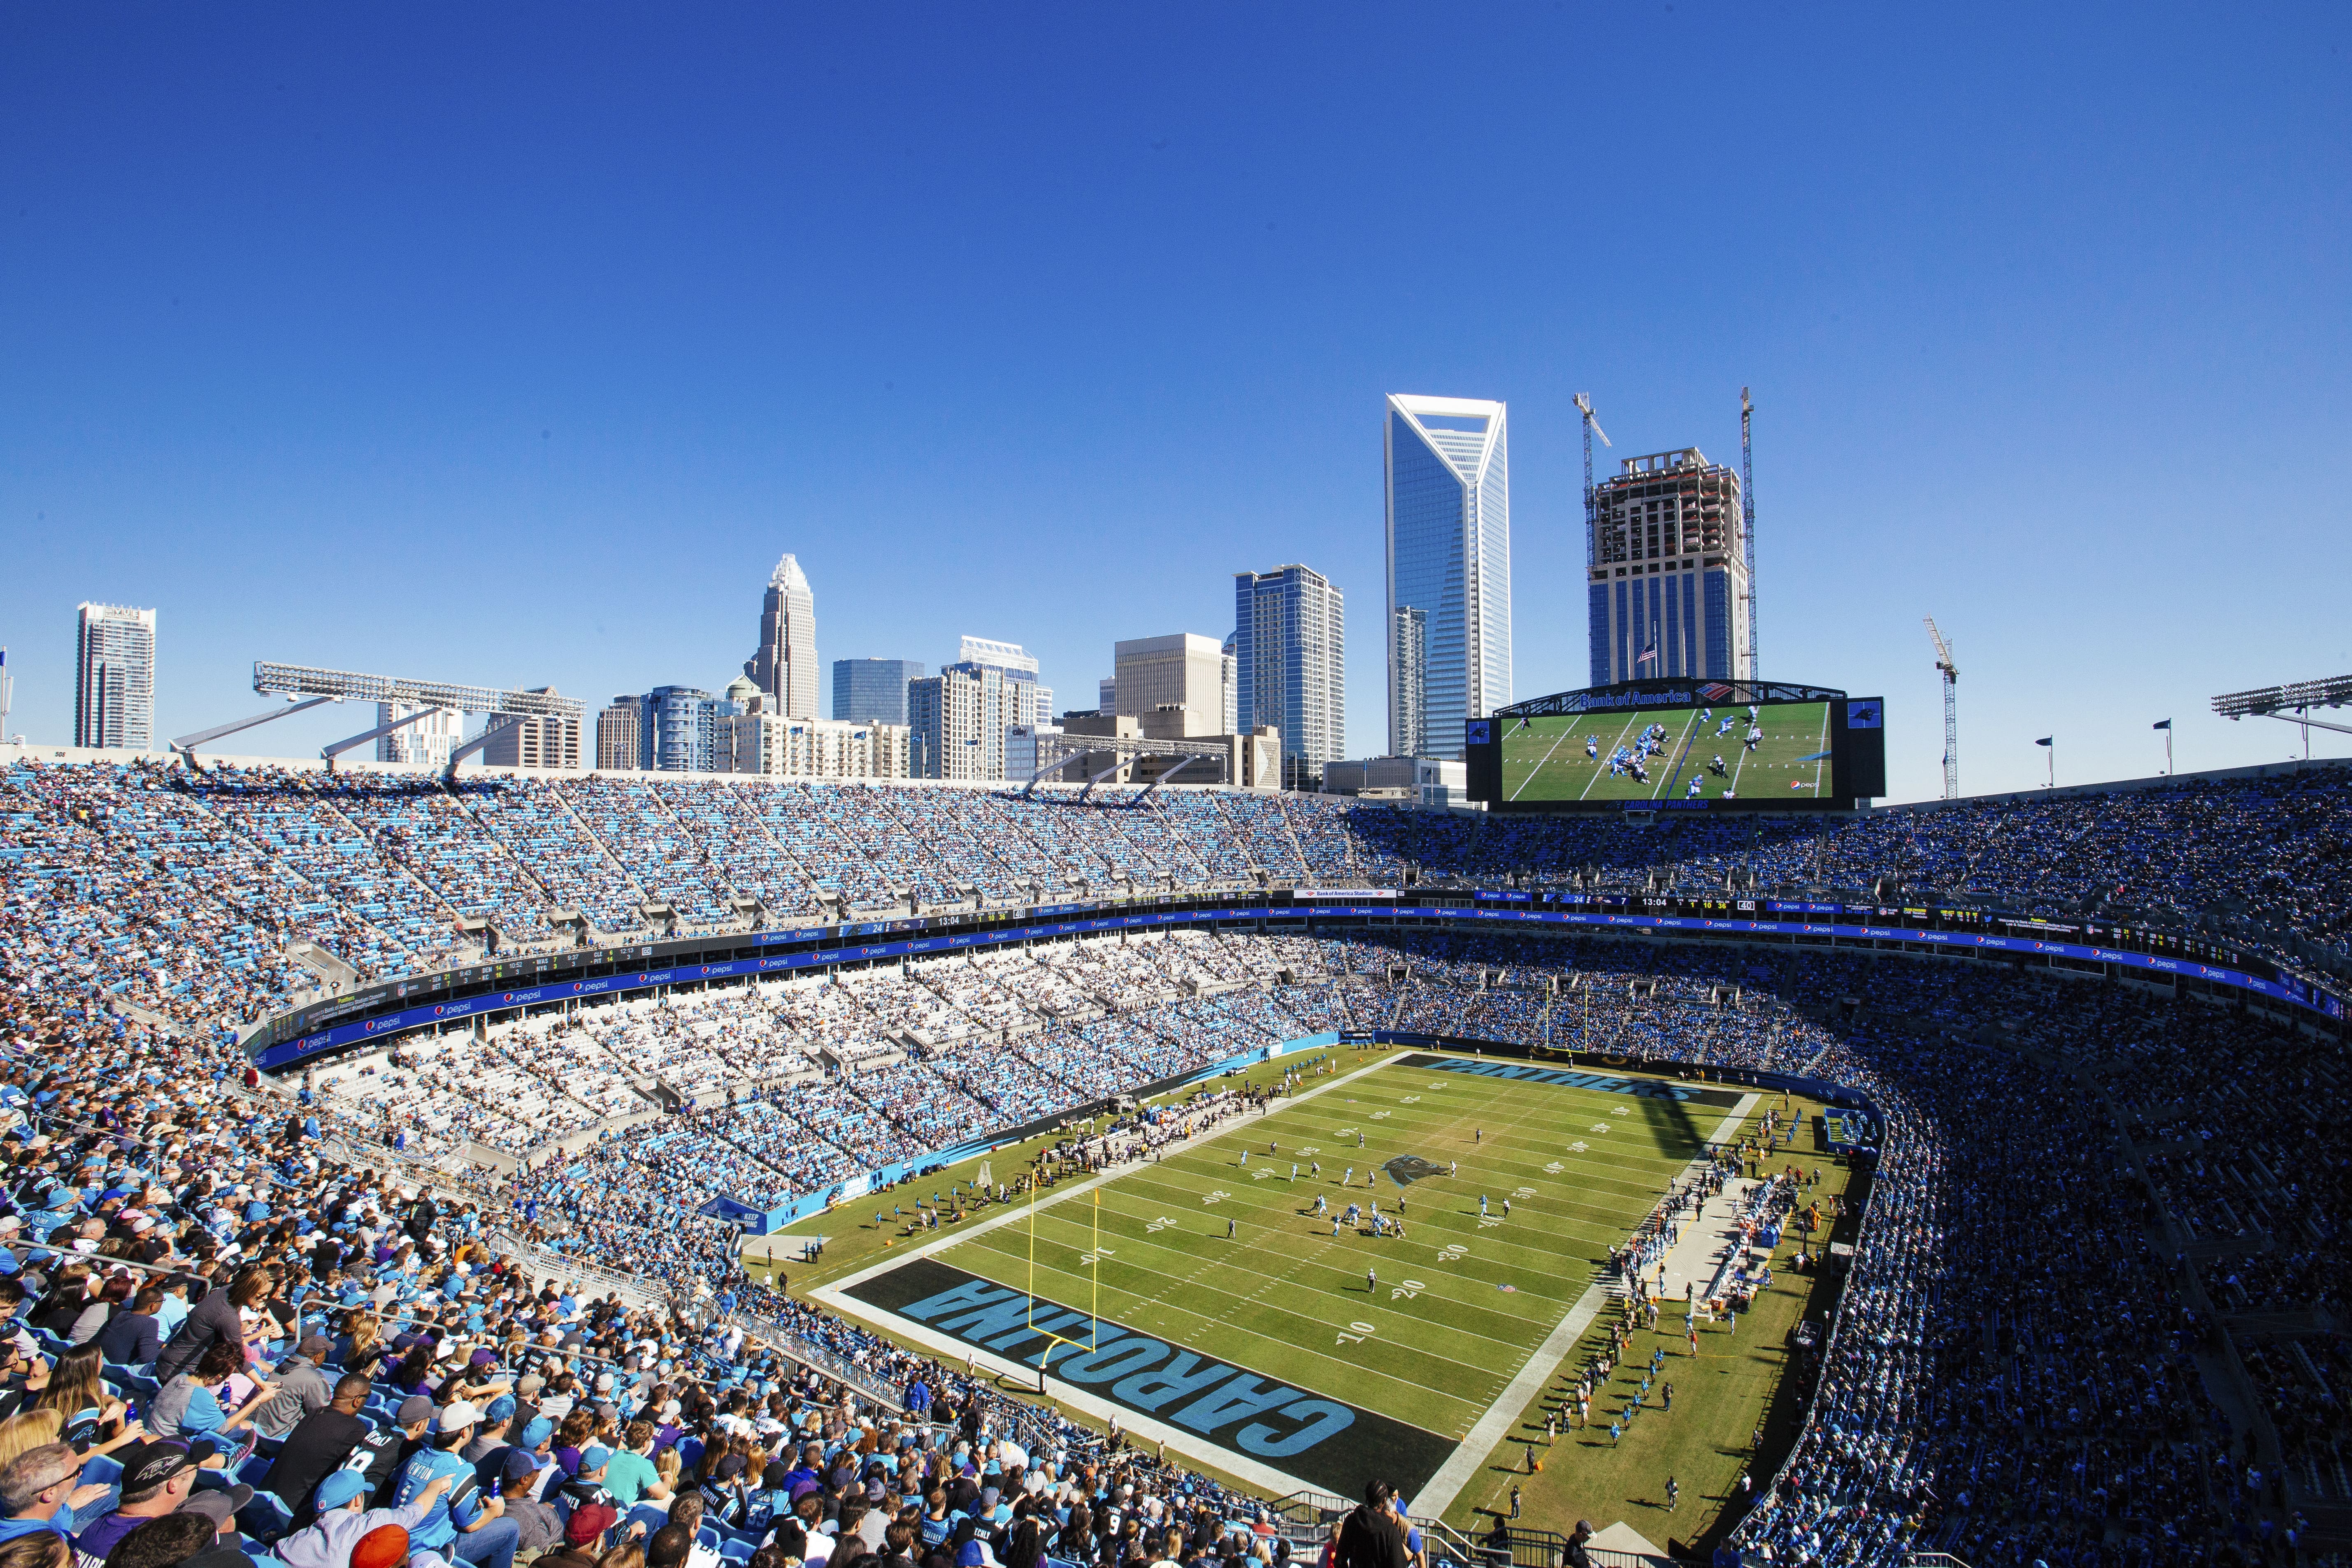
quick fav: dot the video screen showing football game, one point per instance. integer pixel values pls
(1777, 750)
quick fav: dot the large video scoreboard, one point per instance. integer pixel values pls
(1680, 745)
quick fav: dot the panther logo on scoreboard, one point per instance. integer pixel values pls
(1477, 731)
(1863, 714)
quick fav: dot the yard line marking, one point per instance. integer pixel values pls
(1601, 764)
(1015, 1213)
(1285, 1346)
(1538, 771)
(1491, 1428)
(1435, 1499)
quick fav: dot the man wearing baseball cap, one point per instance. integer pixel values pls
(465, 1525)
(157, 1479)
(345, 1519)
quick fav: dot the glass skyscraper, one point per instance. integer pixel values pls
(1289, 659)
(677, 729)
(1449, 559)
(114, 677)
(872, 691)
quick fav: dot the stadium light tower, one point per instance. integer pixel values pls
(1951, 711)
(2291, 704)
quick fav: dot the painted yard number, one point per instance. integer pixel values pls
(1579, 1147)
(1162, 1223)
(1220, 1195)
(1380, 1116)
(1091, 1258)
(1554, 1169)
(1260, 1173)
(1409, 1100)
(1407, 1291)
(1452, 1251)
(1523, 1191)
(1355, 1338)
(1601, 1127)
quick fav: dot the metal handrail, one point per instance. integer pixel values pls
(817, 1358)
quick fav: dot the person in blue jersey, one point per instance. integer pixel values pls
(463, 1525)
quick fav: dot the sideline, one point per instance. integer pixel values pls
(1253, 1473)
(1015, 1212)
(1492, 1428)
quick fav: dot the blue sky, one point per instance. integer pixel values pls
(514, 343)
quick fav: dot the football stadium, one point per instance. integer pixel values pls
(1948, 1182)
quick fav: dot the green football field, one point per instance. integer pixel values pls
(1544, 758)
(1202, 1299)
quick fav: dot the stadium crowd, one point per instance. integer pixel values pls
(2092, 1312)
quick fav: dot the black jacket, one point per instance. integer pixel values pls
(1371, 1538)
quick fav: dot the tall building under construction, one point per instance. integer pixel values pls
(1668, 580)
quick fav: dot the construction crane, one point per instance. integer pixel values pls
(1747, 526)
(1951, 711)
(1591, 429)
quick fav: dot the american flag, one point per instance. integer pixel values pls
(1649, 655)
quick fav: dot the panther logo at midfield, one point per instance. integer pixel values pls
(1407, 1168)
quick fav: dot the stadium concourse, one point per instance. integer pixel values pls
(2094, 1311)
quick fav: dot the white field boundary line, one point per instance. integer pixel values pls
(1015, 1213)
(1680, 756)
(1257, 1473)
(1819, 763)
(1275, 1483)
(1492, 1428)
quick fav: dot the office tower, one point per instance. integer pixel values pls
(114, 677)
(617, 730)
(678, 729)
(873, 690)
(785, 667)
(1449, 557)
(957, 720)
(1667, 585)
(1026, 700)
(756, 739)
(1408, 683)
(538, 740)
(426, 743)
(1180, 671)
(1289, 665)
(1107, 694)
(1231, 710)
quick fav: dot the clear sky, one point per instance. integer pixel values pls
(513, 344)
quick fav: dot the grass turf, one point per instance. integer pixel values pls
(1736, 1386)
(1221, 1253)
(1737, 1383)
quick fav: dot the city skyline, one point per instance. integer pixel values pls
(1057, 381)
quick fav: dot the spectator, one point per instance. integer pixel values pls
(324, 1442)
(133, 1338)
(37, 1490)
(344, 1521)
(157, 1479)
